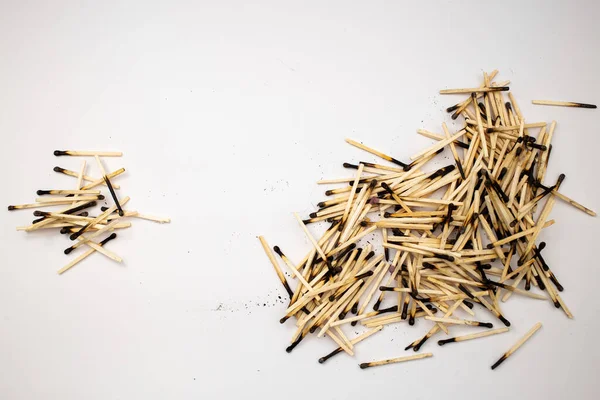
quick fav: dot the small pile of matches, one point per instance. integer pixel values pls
(449, 237)
(75, 219)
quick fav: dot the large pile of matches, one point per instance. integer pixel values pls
(74, 219)
(472, 245)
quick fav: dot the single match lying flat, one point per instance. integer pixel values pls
(423, 243)
(395, 360)
(563, 104)
(75, 153)
(72, 220)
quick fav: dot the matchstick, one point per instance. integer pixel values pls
(74, 153)
(110, 188)
(378, 154)
(516, 346)
(395, 360)
(562, 103)
(475, 90)
(472, 336)
(66, 191)
(453, 321)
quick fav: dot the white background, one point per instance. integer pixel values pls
(228, 113)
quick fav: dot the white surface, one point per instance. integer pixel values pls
(227, 114)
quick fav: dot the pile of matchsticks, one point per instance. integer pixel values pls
(459, 239)
(74, 219)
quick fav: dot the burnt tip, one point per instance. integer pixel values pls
(364, 365)
(68, 250)
(452, 108)
(486, 325)
(585, 105)
(504, 320)
(313, 215)
(60, 153)
(10, 208)
(58, 169)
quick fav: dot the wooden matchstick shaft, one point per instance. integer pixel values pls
(74, 153)
(516, 346)
(459, 321)
(563, 103)
(475, 90)
(395, 360)
(473, 336)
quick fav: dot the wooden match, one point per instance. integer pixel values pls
(563, 104)
(517, 345)
(74, 153)
(395, 360)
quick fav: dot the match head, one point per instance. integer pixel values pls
(452, 108)
(108, 239)
(64, 230)
(417, 347)
(542, 246)
(364, 365)
(374, 200)
(373, 184)
(504, 320)
(60, 153)
(10, 208)
(68, 250)
(444, 341)
(75, 235)
(42, 192)
(277, 250)
(348, 165)
(486, 324)
(101, 197)
(313, 215)
(59, 169)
